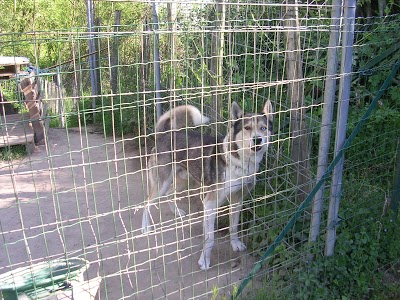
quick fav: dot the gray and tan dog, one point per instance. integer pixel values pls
(225, 167)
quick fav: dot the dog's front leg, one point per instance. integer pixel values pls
(146, 220)
(235, 207)
(210, 211)
(237, 245)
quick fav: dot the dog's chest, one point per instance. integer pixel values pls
(239, 177)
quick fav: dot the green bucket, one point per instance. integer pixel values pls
(41, 280)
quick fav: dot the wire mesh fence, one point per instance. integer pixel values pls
(103, 83)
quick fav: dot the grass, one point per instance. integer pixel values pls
(12, 153)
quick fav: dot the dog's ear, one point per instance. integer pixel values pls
(236, 111)
(268, 110)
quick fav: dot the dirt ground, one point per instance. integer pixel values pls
(82, 195)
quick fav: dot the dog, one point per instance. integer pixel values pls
(224, 167)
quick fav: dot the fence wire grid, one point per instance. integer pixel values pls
(102, 73)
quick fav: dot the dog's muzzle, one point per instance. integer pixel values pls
(258, 143)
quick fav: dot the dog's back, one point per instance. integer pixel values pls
(202, 155)
(183, 116)
(177, 142)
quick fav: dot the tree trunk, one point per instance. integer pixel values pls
(171, 7)
(114, 59)
(217, 53)
(32, 99)
(294, 67)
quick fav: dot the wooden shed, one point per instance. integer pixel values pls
(12, 66)
(20, 129)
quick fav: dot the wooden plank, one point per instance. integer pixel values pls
(7, 74)
(13, 60)
(31, 100)
(10, 66)
(17, 130)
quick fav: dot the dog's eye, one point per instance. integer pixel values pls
(263, 128)
(247, 127)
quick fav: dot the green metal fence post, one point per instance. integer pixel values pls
(396, 187)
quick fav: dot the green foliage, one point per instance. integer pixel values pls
(372, 151)
(116, 118)
(12, 153)
(367, 247)
(353, 271)
(50, 19)
(365, 263)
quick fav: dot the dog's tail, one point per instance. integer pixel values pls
(181, 117)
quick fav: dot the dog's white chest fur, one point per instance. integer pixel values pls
(240, 174)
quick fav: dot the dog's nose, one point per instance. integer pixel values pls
(257, 141)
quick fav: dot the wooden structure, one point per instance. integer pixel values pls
(33, 103)
(21, 129)
(11, 66)
(17, 130)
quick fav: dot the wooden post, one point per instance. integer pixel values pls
(294, 67)
(157, 61)
(144, 57)
(327, 116)
(349, 11)
(92, 56)
(171, 7)
(60, 99)
(396, 184)
(32, 99)
(217, 54)
(114, 55)
(77, 77)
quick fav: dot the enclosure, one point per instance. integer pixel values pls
(321, 221)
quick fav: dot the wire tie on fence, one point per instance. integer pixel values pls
(307, 201)
(335, 223)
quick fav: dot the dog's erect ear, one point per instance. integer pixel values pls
(268, 111)
(236, 111)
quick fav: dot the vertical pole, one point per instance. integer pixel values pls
(31, 101)
(77, 77)
(327, 115)
(92, 54)
(114, 55)
(294, 67)
(157, 68)
(172, 7)
(343, 108)
(396, 188)
(60, 99)
(217, 54)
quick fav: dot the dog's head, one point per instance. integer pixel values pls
(250, 132)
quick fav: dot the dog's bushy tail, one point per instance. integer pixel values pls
(181, 117)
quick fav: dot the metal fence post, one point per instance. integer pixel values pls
(217, 58)
(396, 188)
(327, 115)
(341, 122)
(92, 55)
(157, 68)
(114, 59)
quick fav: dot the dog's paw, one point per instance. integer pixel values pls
(204, 262)
(146, 227)
(238, 245)
(179, 213)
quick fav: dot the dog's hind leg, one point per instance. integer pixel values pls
(181, 178)
(176, 210)
(235, 206)
(210, 213)
(156, 190)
